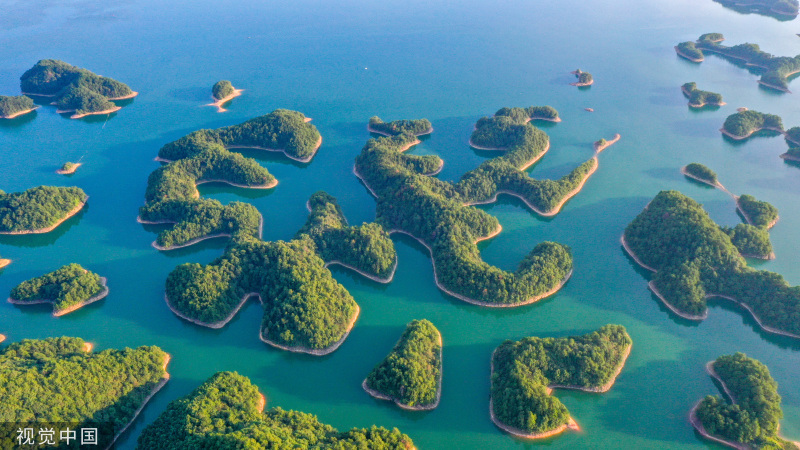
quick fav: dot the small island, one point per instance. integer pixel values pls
(11, 107)
(779, 9)
(74, 90)
(744, 124)
(40, 209)
(416, 127)
(68, 168)
(232, 413)
(756, 212)
(793, 136)
(749, 417)
(525, 372)
(689, 50)
(61, 382)
(698, 98)
(584, 78)
(701, 173)
(411, 374)
(222, 92)
(69, 288)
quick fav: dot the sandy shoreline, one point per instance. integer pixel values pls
(125, 97)
(99, 296)
(699, 105)
(715, 184)
(364, 274)
(20, 113)
(302, 160)
(71, 213)
(739, 138)
(321, 352)
(220, 323)
(4, 262)
(372, 130)
(604, 388)
(94, 113)
(219, 102)
(197, 239)
(245, 186)
(70, 171)
(609, 143)
(684, 55)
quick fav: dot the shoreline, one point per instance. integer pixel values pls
(124, 97)
(219, 102)
(789, 157)
(320, 352)
(97, 297)
(4, 262)
(740, 138)
(749, 220)
(582, 84)
(604, 388)
(71, 171)
(716, 184)
(20, 113)
(372, 130)
(244, 186)
(70, 213)
(600, 148)
(191, 242)
(692, 59)
(381, 396)
(364, 274)
(220, 323)
(93, 113)
(302, 160)
(699, 105)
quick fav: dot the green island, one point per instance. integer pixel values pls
(750, 419)
(525, 372)
(222, 92)
(305, 309)
(11, 107)
(694, 259)
(60, 381)
(584, 78)
(779, 9)
(69, 288)
(756, 212)
(227, 411)
(202, 157)
(73, 89)
(699, 98)
(40, 209)
(774, 70)
(792, 154)
(417, 127)
(411, 374)
(439, 214)
(700, 173)
(68, 168)
(744, 124)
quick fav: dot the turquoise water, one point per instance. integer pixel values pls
(451, 62)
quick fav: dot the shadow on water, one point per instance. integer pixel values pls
(740, 142)
(755, 9)
(191, 94)
(663, 173)
(19, 121)
(703, 109)
(44, 239)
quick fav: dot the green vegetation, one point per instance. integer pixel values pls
(436, 211)
(793, 136)
(712, 37)
(367, 248)
(761, 214)
(523, 370)
(411, 373)
(57, 381)
(226, 412)
(698, 98)
(37, 208)
(694, 258)
(584, 78)
(744, 123)
(754, 413)
(690, 51)
(73, 88)
(779, 9)
(793, 154)
(702, 172)
(222, 89)
(750, 240)
(13, 105)
(415, 127)
(519, 115)
(67, 288)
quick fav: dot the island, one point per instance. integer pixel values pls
(222, 92)
(69, 288)
(305, 309)
(699, 98)
(704, 262)
(524, 374)
(701, 173)
(774, 70)
(756, 212)
(584, 78)
(793, 154)
(778, 9)
(750, 417)
(416, 127)
(4, 262)
(61, 382)
(11, 107)
(68, 168)
(439, 215)
(227, 411)
(792, 136)
(74, 90)
(411, 374)
(40, 209)
(743, 124)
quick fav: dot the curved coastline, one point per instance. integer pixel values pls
(317, 352)
(20, 113)
(4, 262)
(219, 102)
(125, 97)
(71, 213)
(302, 160)
(99, 296)
(220, 323)
(386, 280)
(197, 239)
(70, 171)
(739, 138)
(604, 388)
(93, 113)
(699, 105)
(372, 130)
(684, 55)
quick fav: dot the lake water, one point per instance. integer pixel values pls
(450, 62)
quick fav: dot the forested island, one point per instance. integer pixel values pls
(743, 124)
(701, 173)
(438, 213)
(223, 92)
(416, 127)
(203, 156)
(584, 78)
(750, 417)
(694, 259)
(68, 289)
(40, 209)
(758, 213)
(411, 374)
(779, 9)
(59, 381)
(227, 411)
(68, 168)
(74, 90)
(774, 70)
(305, 309)
(699, 98)
(11, 107)
(525, 372)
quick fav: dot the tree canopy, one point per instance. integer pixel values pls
(702, 172)
(698, 98)
(222, 89)
(37, 208)
(415, 127)
(66, 288)
(745, 123)
(12, 105)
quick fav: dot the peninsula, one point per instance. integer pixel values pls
(525, 372)
(11, 107)
(232, 411)
(749, 417)
(411, 374)
(222, 92)
(744, 124)
(584, 78)
(698, 98)
(39, 209)
(69, 288)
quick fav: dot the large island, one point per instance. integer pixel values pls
(68, 289)
(744, 124)
(40, 209)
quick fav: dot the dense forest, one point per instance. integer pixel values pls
(523, 370)
(690, 51)
(37, 208)
(744, 123)
(702, 172)
(698, 98)
(225, 412)
(751, 241)
(221, 89)
(793, 136)
(12, 105)
(366, 247)
(72, 87)
(66, 287)
(416, 127)
(753, 414)
(786, 8)
(762, 214)
(57, 381)
(411, 374)
(694, 258)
